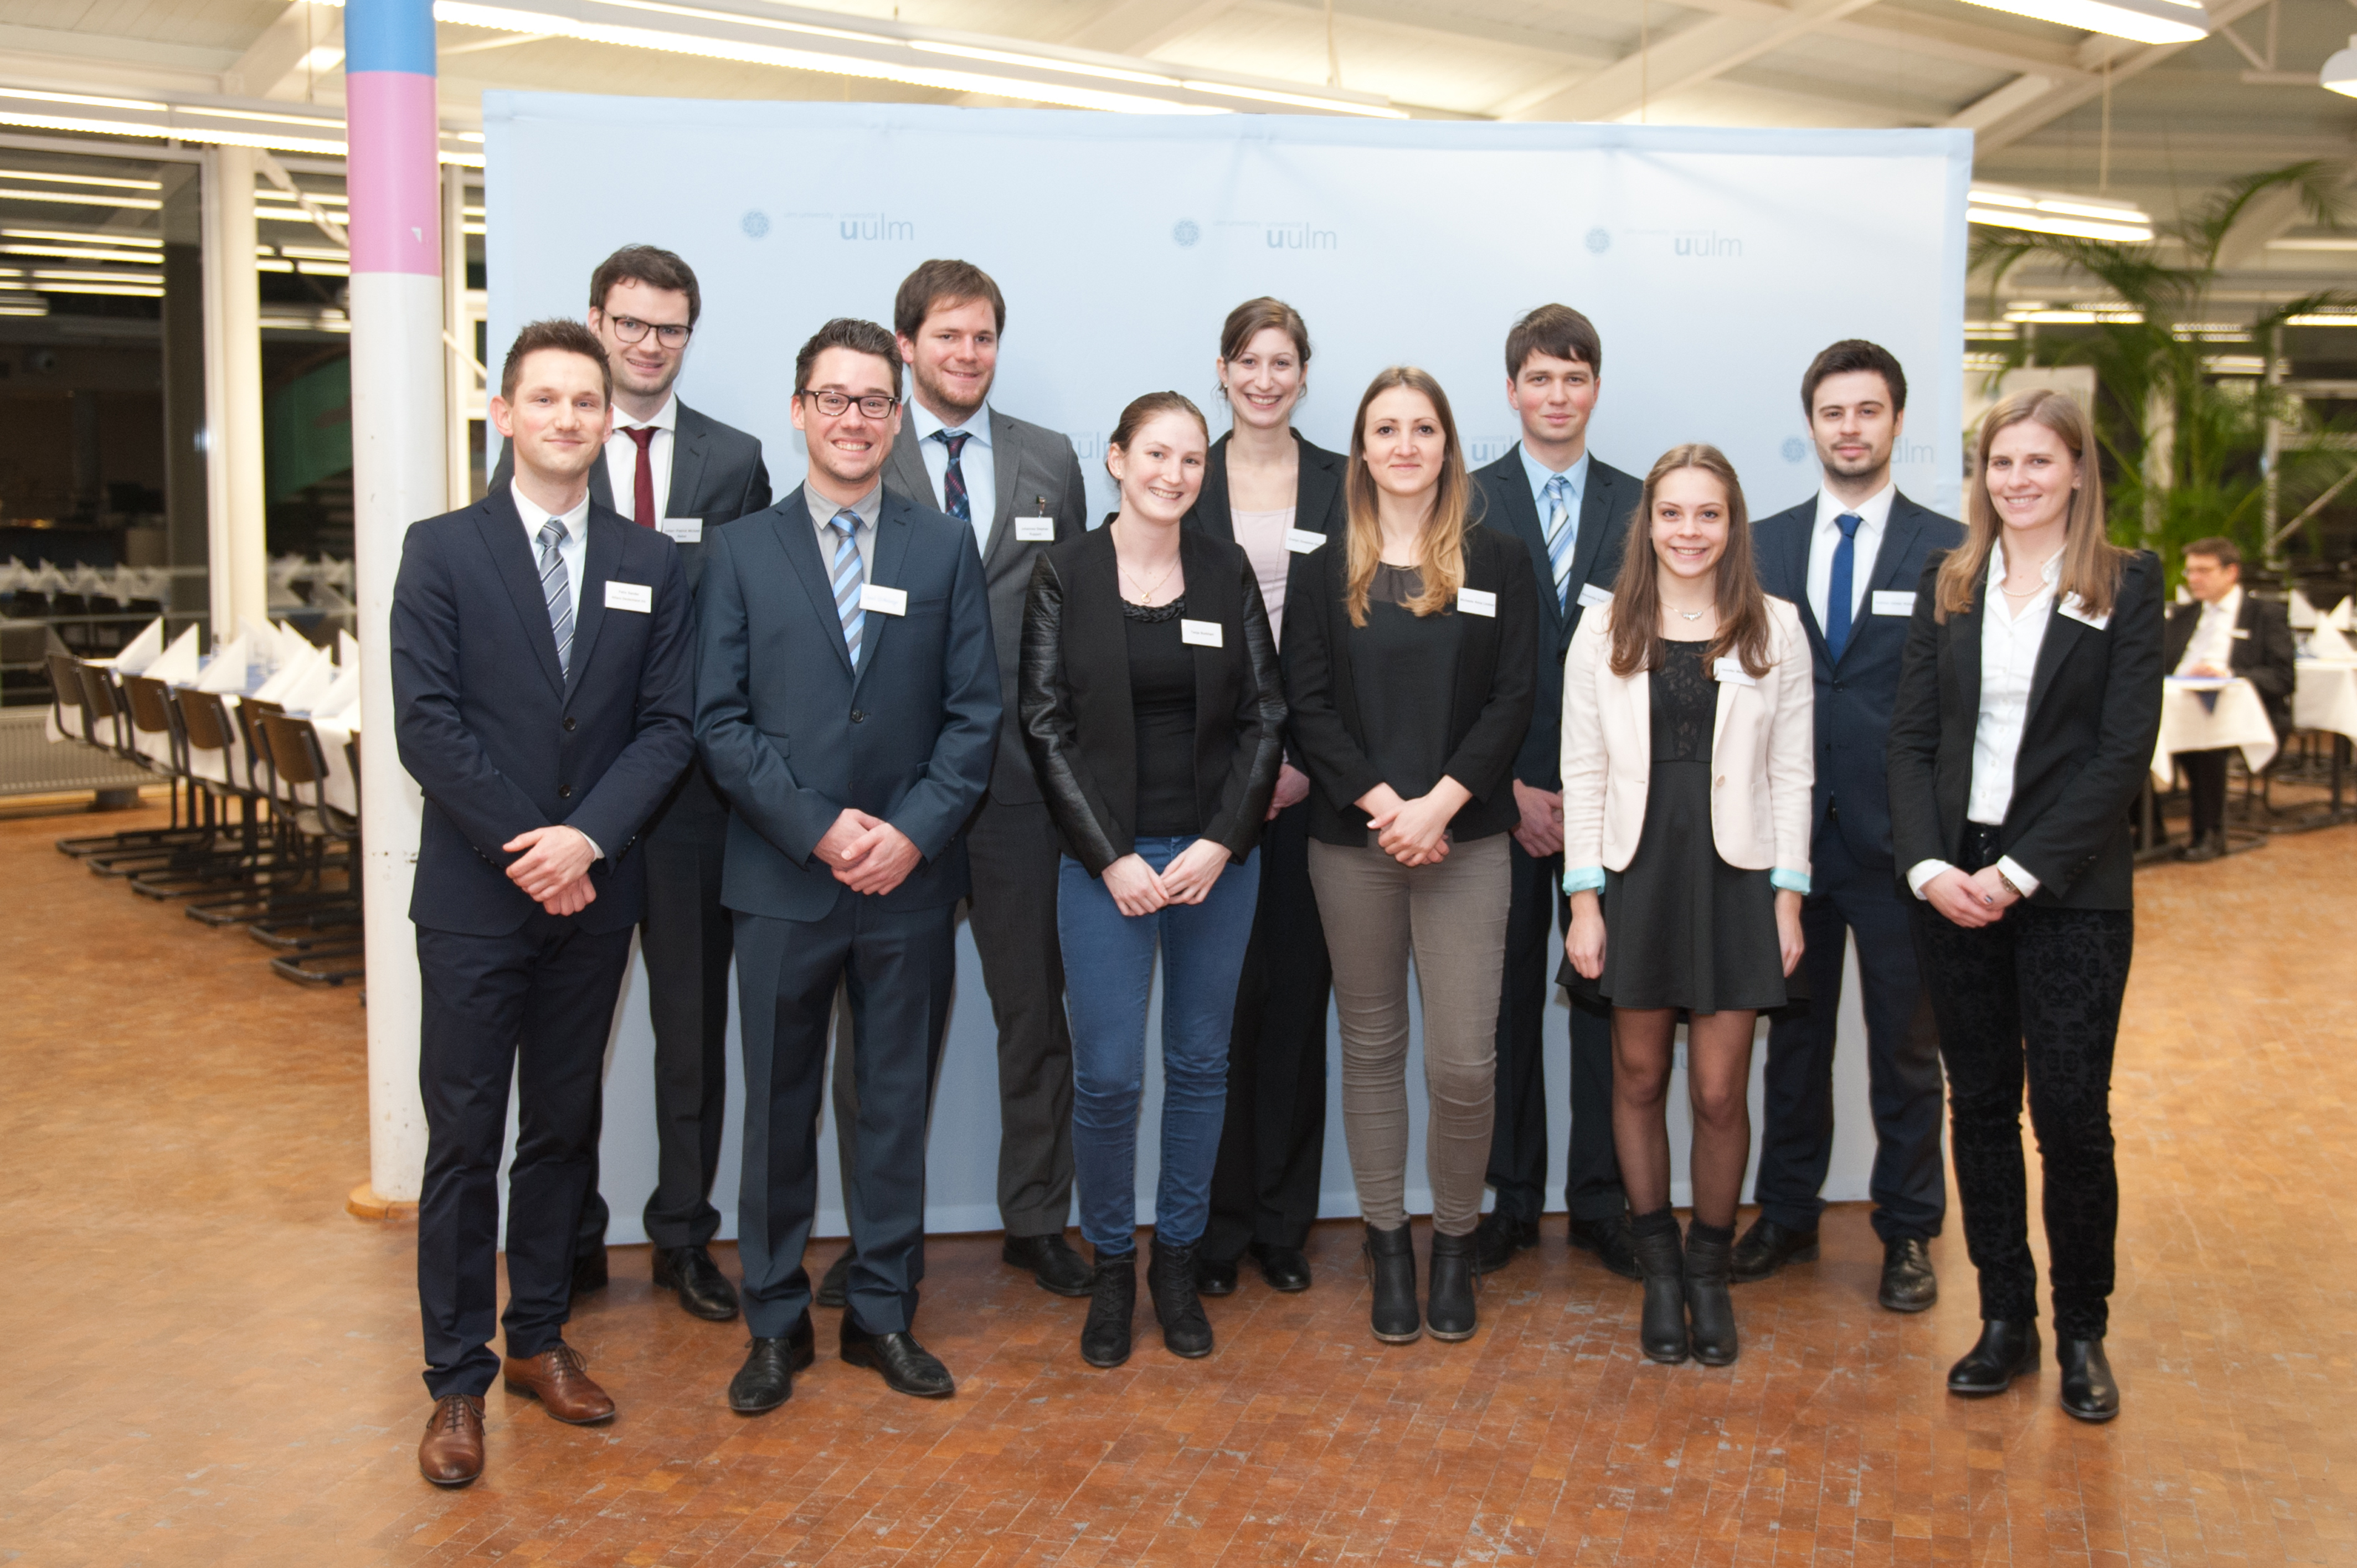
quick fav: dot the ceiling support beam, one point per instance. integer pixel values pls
(1697, 53)
(2129, 60)
(1141, 26)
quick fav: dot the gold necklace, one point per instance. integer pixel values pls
(1145, 595)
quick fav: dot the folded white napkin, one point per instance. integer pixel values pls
(142, 650)
(2302, 613)
(348, 651)
(177, 665)
(2326, 644)
(343, 696)
(230, 669)
(2343, 616)
(304, 692)
(283, 679)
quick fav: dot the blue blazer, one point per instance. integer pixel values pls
(501, 741)
(1854, 697)
(793, 734)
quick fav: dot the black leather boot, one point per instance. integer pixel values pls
(1391, 1269)
(1662, 1263)
(1448, 1312)
(1707, 1299)
(1113, 1302)
(2089, 1389)
(2004, 1352)
(1170, 1281)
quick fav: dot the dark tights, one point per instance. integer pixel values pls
(1719, 1083)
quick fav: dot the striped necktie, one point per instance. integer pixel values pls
(954, 501)
(1561, 536)
(557, 590)
(848, 574)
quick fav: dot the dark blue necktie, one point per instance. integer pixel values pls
(954, 501)
(1837, 593)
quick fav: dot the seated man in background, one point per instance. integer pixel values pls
(2225, 632)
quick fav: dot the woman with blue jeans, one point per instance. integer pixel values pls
(1154, 712)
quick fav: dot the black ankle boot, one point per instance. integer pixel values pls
(2089, 1389)
(1662, 1262)
(1113, 1302)
(2004, 1352)
(1170, 1281)
(1450, 1310)
(1707, 1299)
(1391, 1269)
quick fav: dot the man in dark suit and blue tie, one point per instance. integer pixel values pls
(1850, 559)
(541, 683)
(848, 703)
(1573, 512)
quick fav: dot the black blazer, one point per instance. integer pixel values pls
(502, 740)
(1496, 672)
(2095, 717)
(1077, 719)
(2262, 651)
(1318, 502)
(1607, 501)
(1854, 697)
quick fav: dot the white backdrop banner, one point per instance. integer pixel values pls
(1715, 264)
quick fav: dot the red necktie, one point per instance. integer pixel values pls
(642, 492)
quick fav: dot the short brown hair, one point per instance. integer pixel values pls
(650, 265)
(2222, 551)
(565, 337)
(1141, 409)
(1558, 332)
(944, 283)
(1854, 354)
(847, 332)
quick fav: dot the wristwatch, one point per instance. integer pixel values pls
(2009, 887)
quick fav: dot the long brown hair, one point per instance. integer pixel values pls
(1253, 317)
(1442, 556)
(2090, 562)
(1743, 624)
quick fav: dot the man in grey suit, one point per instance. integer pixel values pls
(1018, 487)
(680, 472)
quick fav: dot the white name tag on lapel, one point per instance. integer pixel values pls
(1035, 530)
(1478, 602)
(1301, 541)
(883, 600)
(1732, 671)
(1199, 633)
(1894, 602)
(2073, 607)
(2241, 631)
(639, 597)
(1590, 596)
(683, 530)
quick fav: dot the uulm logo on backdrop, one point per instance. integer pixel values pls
(1707, 244)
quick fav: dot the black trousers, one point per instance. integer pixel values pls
(897, 968)
(1273, 1143)
(2205, 781)
(1910, 1181)
(536, 1005)
(1518, 1141)
(2036, 994)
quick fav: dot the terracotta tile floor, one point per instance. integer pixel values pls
(204, 1361)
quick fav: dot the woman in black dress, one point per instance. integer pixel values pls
(1686, 772)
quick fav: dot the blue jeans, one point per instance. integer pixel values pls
(1108, 979)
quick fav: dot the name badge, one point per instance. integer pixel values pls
(2076, 608)
(1732, 671)
(1478, 602)
(639, 597)
(1894, 602)
(1035, 530)
(1301, 541)
(883, 600)
(1590, 596)
(1199, 633)
(683, 530)
(2241, 631)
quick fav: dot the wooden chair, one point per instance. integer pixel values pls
(300, 765)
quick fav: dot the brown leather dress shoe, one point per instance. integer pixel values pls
(559, 1378)
(451, 1452)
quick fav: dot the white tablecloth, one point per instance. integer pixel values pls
(2190, 721)
(2326, 697)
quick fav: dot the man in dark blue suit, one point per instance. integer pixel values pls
(1850, 559)
(541, 684)
(847, 705)
(1573, 512)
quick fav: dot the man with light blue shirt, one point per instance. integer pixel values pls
(1572, 511)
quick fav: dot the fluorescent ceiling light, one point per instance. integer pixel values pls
(81, 179)
(2340, 73)
(2078, 318)
(316, 252)
(81, 236)
(321, 61)
(126, 290)
(2315, 243)
(218, 122)
(78, 199)
(2324, 318)
(2046, 213)
(2146, 21)
(81, 253)
(90, 274)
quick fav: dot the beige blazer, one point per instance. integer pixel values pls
(1762, 757)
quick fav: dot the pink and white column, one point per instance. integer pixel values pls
(399, 452)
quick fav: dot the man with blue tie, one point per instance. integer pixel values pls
(1572, 510)
(848, 703)
(1850, 559)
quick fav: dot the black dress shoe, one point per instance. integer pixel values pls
(1609, 1240)
(2004, 1352)
(703, 1289)
(1285, 1268)
(1214, 1276)
(1767, 1247)
(766, 1380)
(1112, 1304)
(1170, 1282)
(1907, 1283)
(908, 1367)
(2209, 846)
(2089, 1389)
(588, 1270)
(1498, 1238)
(834, 1285)
(1052, 1262)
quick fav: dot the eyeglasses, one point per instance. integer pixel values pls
(834, 405)
(631, 329)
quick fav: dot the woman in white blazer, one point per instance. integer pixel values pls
(1686, 770)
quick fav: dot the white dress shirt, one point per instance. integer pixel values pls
(974, 461)
(574, 550)
(2213, 634)
(2010, 637)
(622, 460)
(1874, 518)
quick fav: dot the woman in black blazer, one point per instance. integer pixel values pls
(1280, 498)
(1155, 713)
(1410, 662)
(2027, 709)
